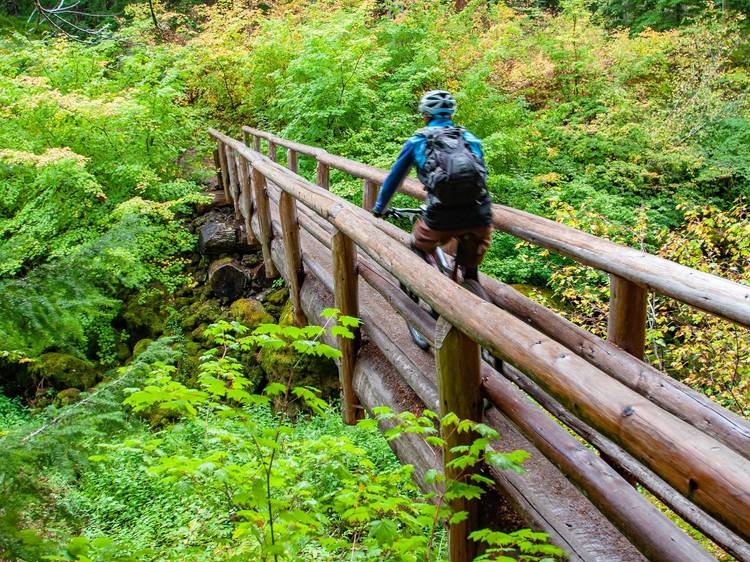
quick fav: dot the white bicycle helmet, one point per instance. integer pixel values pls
(437, 102)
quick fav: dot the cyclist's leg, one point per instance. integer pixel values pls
(425, 240)
(475, 243)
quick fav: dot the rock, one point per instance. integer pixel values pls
(145, 317)
(201, 312)
(123, 351)
(286, 317)
(141, 346)
(227, 278)
(63, 371)
(275, 301)
(67, 396)
(250, 313)
(217, 238)
(290, 368)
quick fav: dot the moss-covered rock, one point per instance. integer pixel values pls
(275, 301)
(286, 317)
(250, 312)
(145, 316)
(67, 397)
(141, 346)
(63, 371)
(202, 312)
(290, 368)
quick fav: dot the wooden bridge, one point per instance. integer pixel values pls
(638, 424)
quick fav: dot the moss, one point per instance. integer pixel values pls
(67, 396)
(141, 346)
(63, 371)
(286, 317)
(201, 312)
(275, 301)
(145, 317)
(290, 368)
(250, 312)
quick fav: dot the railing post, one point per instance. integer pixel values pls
(458, 374)
(322, 175)
(245, 137)
(256, 143)
(346, 284)
(291, 160)
(217, 163)
(627, 316)
(292, 253)
(265, 227)
(246, 199)
(224, 170)
(369, 194)
(234, 188)
(272, 150)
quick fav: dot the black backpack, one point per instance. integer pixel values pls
(452, 173)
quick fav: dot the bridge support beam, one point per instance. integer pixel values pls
(272, 150)
(459, 387)
(224, 170)
(346, 297)
(322, 175)
(264, 222)
(292, 253)
(291, 160)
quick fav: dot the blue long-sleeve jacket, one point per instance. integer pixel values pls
(437, 216)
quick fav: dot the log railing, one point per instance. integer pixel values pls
(693, 455)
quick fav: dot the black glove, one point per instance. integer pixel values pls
(377, 214)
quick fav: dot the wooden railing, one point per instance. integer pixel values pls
(685, 449)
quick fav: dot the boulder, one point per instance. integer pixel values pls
(63, 371)
(67, 397)
(290, 368)
(228, 279)
(250, 313)
(201, 312)
(141, 346)
(217, 238)
(275, 301)
(145, 316)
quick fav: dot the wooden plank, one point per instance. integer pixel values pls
(234, 189)
(713, 476)
(627, 316)
(246, 200)
(264, 221)
(224, 170)
(346, 285)
(369, 195)
(458, 367)
(217, 165)
(631, 469)
(292, 253)
(291, 160)
(322, 175)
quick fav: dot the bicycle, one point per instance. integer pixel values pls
(442, 262)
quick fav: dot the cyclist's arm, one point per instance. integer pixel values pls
(398, 172)
(474, 144)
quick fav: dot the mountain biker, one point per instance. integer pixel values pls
(450, 164)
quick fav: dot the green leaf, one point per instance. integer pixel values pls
(458, 517)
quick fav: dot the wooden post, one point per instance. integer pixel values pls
(346, 284)
(256, 142)
(322, 175)
(217, 163)
(224, 170)
(627, 315)
(245, 137)
(291, 160)
(246, 199)
(234, 188)
(369, 195)
(272, 150)
(263, 208)
(458, 375)
(292, 253)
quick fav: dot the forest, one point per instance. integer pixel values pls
(142, 417)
